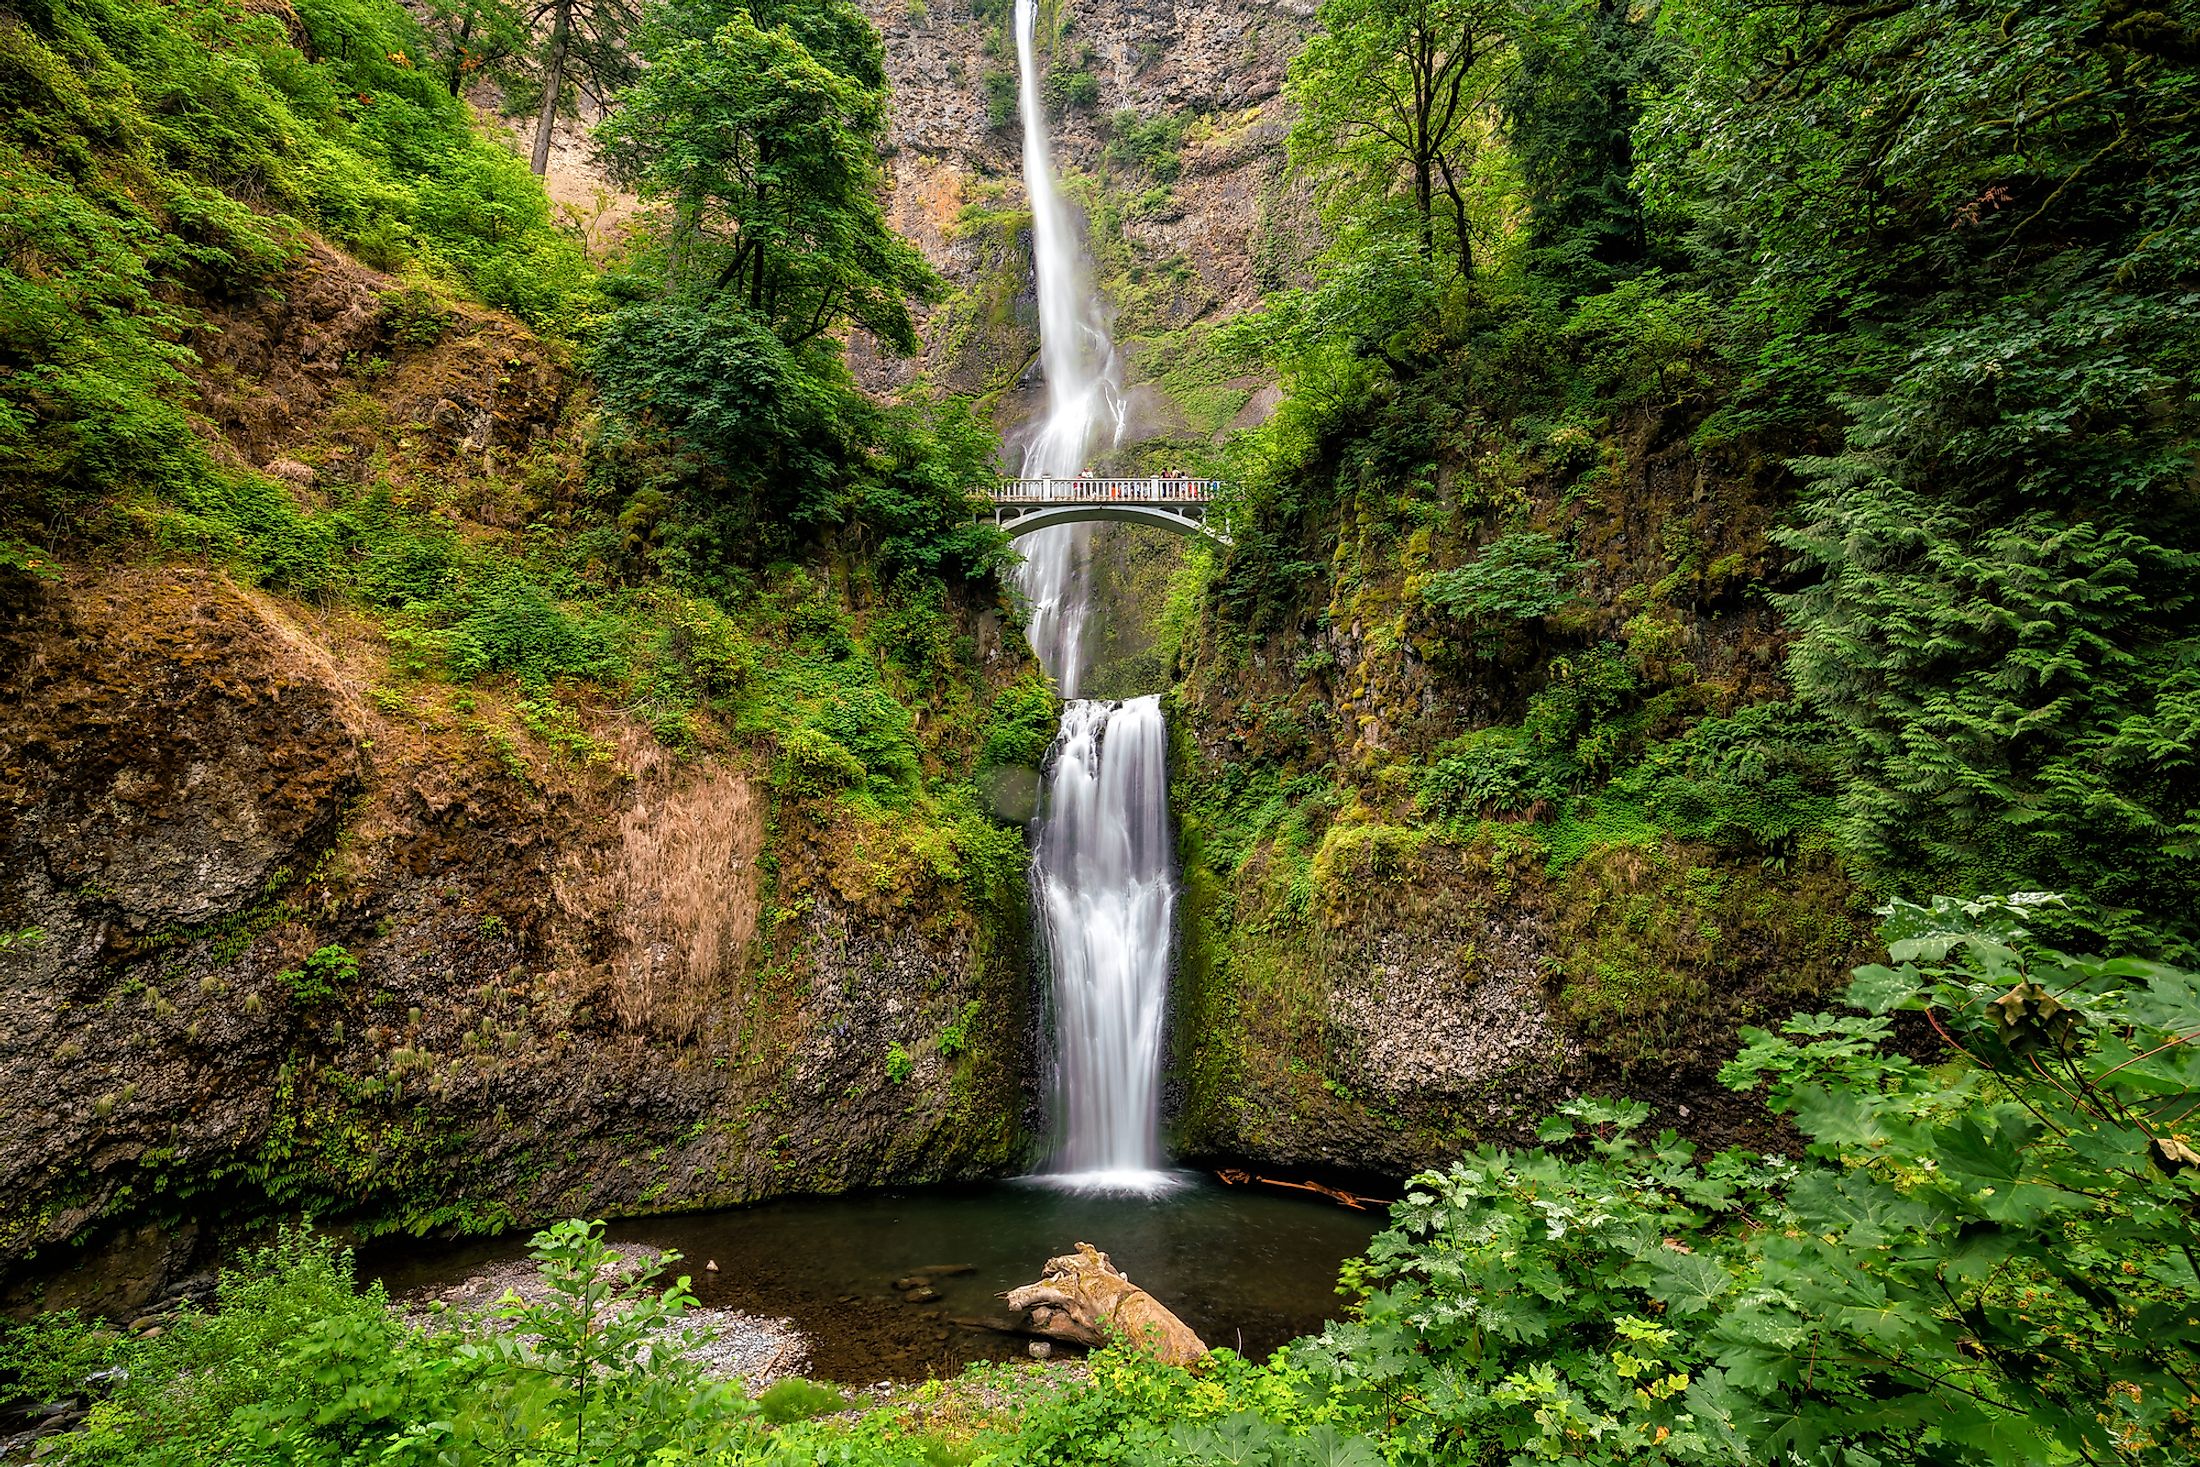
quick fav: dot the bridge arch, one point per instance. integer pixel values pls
(1174, 521)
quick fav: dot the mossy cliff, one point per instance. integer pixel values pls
(1460, 842)
(388, 864)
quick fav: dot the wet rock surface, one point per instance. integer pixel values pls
(198, 798)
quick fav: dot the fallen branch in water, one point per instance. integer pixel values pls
(1234, 1177)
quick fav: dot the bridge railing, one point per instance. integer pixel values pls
(1153, 489)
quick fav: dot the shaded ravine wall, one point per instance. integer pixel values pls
(199, 800)
(1363, 986)
(321, 935)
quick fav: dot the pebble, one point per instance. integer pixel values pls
(1039, 1350)
(921, 1296)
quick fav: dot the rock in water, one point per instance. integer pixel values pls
(1084, 1298)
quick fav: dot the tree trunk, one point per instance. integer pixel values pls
(457, 73)
(1424, 197)
(1083, 1298)
(553, 82)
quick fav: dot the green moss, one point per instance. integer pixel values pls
(1662, 951)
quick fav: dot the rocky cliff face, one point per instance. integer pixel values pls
(1170, 135)
(1366, 983)
(298, 954)
(312, 935)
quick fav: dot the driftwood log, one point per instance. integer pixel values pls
(1084, 1298)
(1234, 1177)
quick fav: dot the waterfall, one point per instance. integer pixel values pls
(1102, 876)
(1084, 381)
(1084, 394)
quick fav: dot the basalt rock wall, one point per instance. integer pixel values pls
(296, 956)
(1389, 953)
(290, 929)
(1183, 236)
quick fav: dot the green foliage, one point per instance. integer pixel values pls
(1392, 103)
(1021, 725)
(1152, 145)
(2016, 693)
(162, 152)
(1762, 777)
(999, 87)
(1520, 576)
(812, 762)
(955, 1038)
(1980, 1262)
(1571, 108)
(1490, 770)
(1526, 1306)
(764, 153)
(472, 40)
(799, 1400)
(899, 1064)
(875, 729)
(1065, 87)
(1936, 257)
(1646, 339)
(330, 971)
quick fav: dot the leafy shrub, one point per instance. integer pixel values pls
(1150, 143)
(1975, 1262)
(1765, 775)
(328, 972)
(1491, 770)
(873, 726)
(719, 658)
(1520, 576)
(1020, 726)
(1067, 87)
(1000, 89)
(509, 623)
(1644, 339)
(955, 1038)
(812, 762)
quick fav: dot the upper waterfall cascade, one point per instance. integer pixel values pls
(1102, 876)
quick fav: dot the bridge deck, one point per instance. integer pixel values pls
(1154, 490)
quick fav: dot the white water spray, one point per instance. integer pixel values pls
(1101, 874)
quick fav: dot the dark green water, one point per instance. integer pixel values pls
(1247, 1268)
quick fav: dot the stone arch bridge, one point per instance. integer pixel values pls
(1180, 506)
